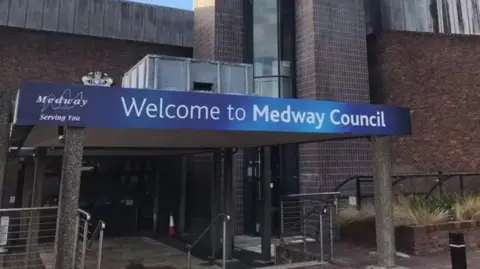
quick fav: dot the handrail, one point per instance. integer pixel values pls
(209, 227)
(315, 208)
(27, 209)
(312, 194)
(87, 215)
(398, 178)
(190, 246)
(100, 226)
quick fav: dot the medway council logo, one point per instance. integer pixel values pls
(63, 102)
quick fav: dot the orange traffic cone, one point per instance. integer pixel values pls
(171, 226)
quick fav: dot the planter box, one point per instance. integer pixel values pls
(415, 240)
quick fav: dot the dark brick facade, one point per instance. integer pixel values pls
(54, 57)
(331, 54)
(436, 76)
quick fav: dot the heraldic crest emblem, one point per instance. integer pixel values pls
(97, 79)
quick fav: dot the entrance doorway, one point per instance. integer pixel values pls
(121, 192)
(284, 180)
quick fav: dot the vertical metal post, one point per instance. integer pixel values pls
(27, 248)
(462, 194)
(321, 237)
(440, 183)
(228, 201)
(266, 218)
(337, 234)
(216, 192)
(458, 254)
(331, 231)
(156, 206)
(77, 227)
(84, 243)
(282, 219)
(100, 248)
(358, 192)
(224, 241)
(183, 195)
(304, 226)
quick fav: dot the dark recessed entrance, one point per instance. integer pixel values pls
(134, 195)
(284, 180)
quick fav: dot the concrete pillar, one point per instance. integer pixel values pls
(4, 143)
(183, 195)
(229, 202)
(216, 207)
(266, 218)
(382, 175)
(68, 198)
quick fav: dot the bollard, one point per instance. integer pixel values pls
(457, 251)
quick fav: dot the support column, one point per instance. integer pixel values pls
(216, 206)
(68, 198)
(382, 175)
(40, 160)
(228, 201)
(183, 196)
(266, 218)
(4, 143)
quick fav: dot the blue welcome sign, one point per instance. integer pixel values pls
(90, 106)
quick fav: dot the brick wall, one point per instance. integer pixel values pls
(54, 57)
(437, 77)
(331, 54)
(219, 35)
(415, 240)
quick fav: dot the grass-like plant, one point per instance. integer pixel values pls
(415, 210)
(467, 209)
(407, 211)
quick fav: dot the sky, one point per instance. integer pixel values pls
(183, 4)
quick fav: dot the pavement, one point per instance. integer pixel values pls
(355, 257)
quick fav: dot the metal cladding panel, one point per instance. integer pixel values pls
(431, 16)
(182, 74)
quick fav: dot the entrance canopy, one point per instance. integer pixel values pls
(142, 118)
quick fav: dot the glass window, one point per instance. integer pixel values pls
(266, 86)
(286, 87)
(265, 38)
(287, 37)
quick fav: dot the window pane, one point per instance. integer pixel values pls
(286, 88)
(287, 39)
(266, 87)
(265, 38)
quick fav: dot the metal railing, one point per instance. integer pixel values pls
(27, 238)
(308, 219)
(225, 218)
(95, 251)
(440, 182)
